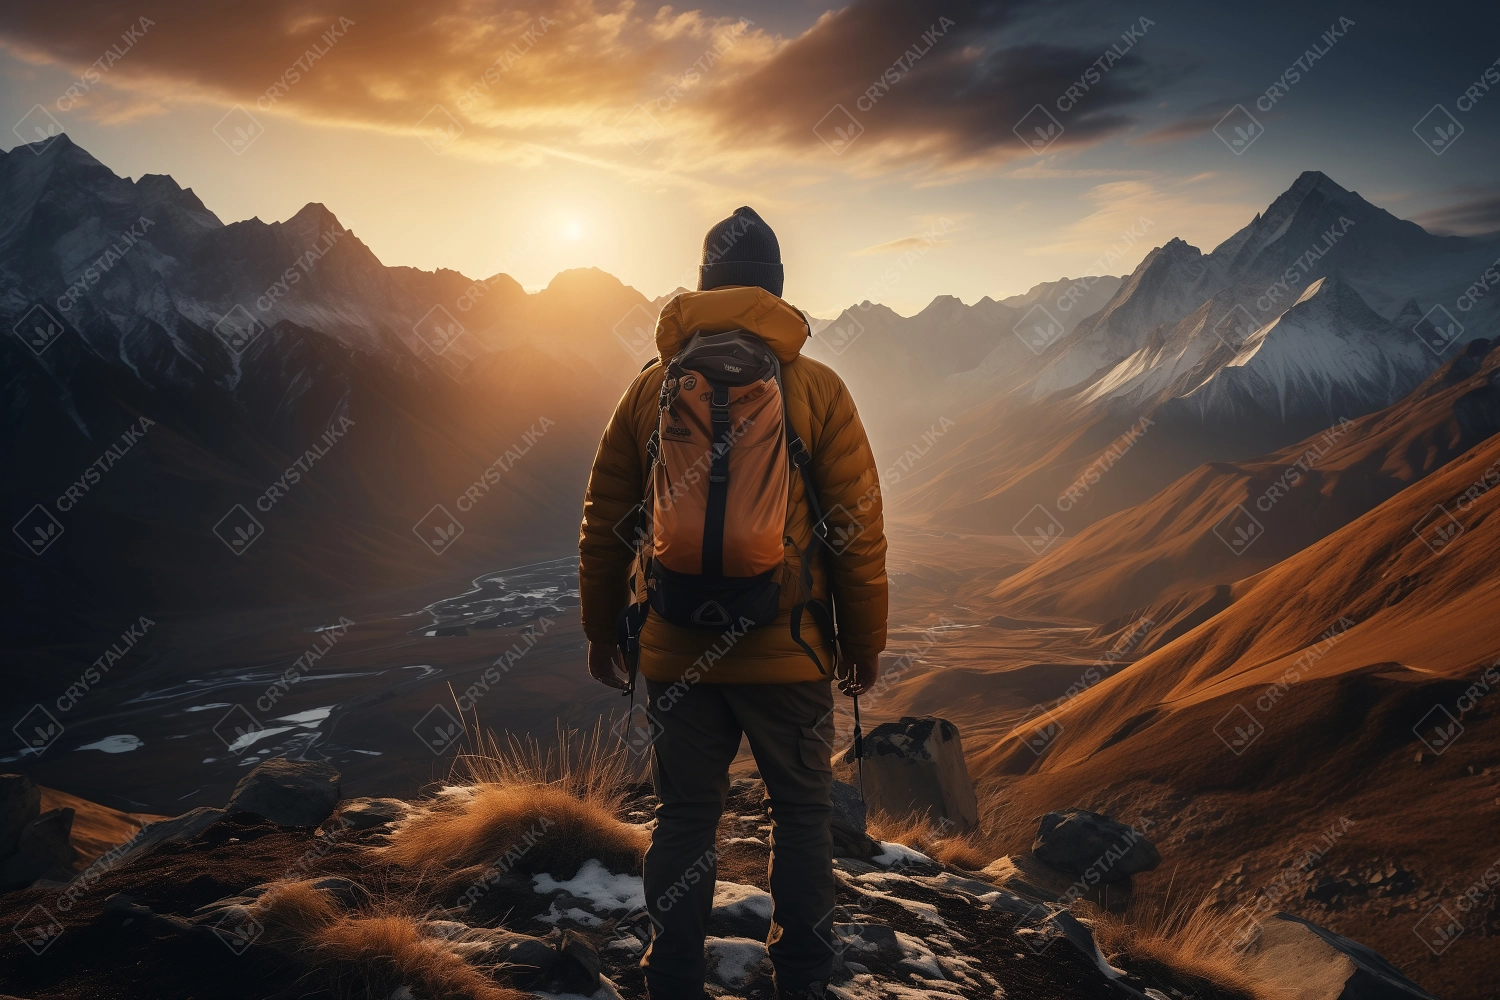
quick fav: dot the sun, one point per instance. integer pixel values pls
(571, 230)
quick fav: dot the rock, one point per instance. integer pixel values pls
(1303, 961)
(849, 837)
(288, 792)
(520, 959)
(1078, 841)
(45, 848)
(367, 813)
(740, 911)
(20, 803)
(177, 830)
(863, 942)
(916, 766)
(577, 967)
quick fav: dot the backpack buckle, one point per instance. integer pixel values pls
(798, 453)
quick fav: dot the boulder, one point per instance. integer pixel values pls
(288, 792)
(366, 813)
(1077, 841)
(849, 837)
(915, 767)
(20, 803)
(1302, 961)
(45, 849)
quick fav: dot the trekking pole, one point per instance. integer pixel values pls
(859, 747)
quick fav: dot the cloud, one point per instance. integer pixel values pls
(900, 246)
(655, 89)
(1197, 121)
(1129, 217)
(926, 80)
(1477, 213)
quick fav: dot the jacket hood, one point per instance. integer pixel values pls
(719, 310)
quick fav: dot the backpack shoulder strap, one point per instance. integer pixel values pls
(801, 459)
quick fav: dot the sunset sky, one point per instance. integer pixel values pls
(612, 134)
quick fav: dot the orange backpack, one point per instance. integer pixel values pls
(711, 552)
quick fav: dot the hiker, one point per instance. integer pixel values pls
(708, 564)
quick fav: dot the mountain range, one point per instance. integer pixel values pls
(1323, 308)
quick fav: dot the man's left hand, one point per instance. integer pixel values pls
(861, 676)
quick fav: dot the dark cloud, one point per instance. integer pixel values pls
(954, 89)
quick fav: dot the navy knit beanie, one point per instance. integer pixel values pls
(741, 250)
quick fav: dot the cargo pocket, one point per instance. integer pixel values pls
(816, 753)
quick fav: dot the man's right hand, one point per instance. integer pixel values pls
(607, 665)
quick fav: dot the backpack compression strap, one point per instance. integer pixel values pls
(718, 482)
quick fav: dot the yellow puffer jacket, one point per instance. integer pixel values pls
(823, 414)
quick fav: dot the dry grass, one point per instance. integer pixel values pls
(368, 953)
(525, 810)
(585, 764)
(1187, 940)
(920, 833)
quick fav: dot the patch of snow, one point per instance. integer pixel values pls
(256, 736)
(204, 708)
(312, 716)
(604, 889)
(123, 743)
(736, 899)
(915, 952)
(572, 914)
(892, 855)
(732, 959)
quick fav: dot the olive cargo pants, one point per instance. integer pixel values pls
(789, 728)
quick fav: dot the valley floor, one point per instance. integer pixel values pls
(1367, 859)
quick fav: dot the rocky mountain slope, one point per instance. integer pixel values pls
(1184, 537)
(1323, 308)
(260, 412)
(1343, 689)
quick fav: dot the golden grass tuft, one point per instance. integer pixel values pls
(368, 953)
(520, 828)
(523, 809)
(386, 951)
(920, 833)
(1186, 941)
